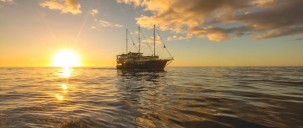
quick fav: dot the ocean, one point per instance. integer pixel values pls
(179, 97)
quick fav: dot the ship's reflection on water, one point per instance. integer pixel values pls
(161, 103)
(143, 91)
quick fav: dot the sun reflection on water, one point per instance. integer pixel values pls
(64, 73)
(67, 72)
(59, 97)
(64, 87)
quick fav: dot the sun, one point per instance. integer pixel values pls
(66, 58)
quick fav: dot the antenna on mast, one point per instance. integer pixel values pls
(154, 40)
(126, 41)
(139, 37)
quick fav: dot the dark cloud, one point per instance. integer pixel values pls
(219, 20)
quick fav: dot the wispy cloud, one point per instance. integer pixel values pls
(94, 12)
(104, 23)
(66, 6)
(3, 3)
(135, 2)
(223, 19)
(178, 37)
(299, 38)
(7, 1)
(151, 39)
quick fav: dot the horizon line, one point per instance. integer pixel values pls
(166, 67)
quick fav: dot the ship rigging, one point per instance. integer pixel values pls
(136, 60)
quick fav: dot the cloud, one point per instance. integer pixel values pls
(280, 32)
(151, 39)
(177, 37)
(299, 38)
(135, 2)
(66, 6)
(94, 12)
(7, 1)
(223, 19)
(104, 23)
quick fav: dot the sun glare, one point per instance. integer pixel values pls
(66, 58)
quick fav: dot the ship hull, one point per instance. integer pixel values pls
(144, 65)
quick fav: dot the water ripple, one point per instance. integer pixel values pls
(229, 97)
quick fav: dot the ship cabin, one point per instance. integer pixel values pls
(132, 56)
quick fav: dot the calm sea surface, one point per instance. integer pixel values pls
(210, 97)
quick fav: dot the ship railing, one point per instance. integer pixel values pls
(169, 59)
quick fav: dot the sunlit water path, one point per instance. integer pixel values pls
(180, 97)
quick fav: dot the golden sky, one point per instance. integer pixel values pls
(197, 32)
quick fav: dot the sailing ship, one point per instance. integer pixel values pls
(138, 61)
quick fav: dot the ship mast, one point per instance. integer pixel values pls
(126, 41)
(154, 40)
(139, 37)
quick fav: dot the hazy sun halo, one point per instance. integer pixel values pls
(66, 58)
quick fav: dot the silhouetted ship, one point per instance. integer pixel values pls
(137, 61)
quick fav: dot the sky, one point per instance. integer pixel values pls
(196, 32)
